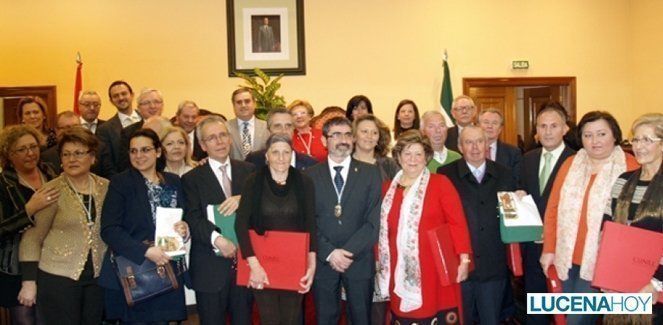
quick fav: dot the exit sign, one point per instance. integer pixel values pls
(522, 64)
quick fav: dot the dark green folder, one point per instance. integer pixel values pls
(225, 223)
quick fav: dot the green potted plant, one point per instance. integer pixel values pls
(264, 90)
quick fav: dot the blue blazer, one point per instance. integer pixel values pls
(126, 220)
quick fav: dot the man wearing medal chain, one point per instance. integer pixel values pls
(347, 202)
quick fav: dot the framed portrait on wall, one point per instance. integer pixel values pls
(266, 34)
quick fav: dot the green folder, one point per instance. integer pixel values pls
(225, 222)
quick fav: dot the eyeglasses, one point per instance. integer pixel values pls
(75, 154)
(91, 104)
(143, 150)
(148, 102)
(281, 127)
(216, 137)
(24, 150)
(339, 135)
(463, 108)
(646, 140)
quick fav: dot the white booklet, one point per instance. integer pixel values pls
(165, 235)
(519, 212)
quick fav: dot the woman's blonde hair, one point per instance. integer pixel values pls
(176, 129)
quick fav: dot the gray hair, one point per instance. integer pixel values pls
(471, 127)
(146, 91)
(184, 103)
(430, 114)
(494, 111)
(88, 93)
(208, 120)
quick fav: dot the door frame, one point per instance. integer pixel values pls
(48, 93)
(527, 81)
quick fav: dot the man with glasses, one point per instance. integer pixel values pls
(150, 103)
(217, 182)
(347, 210)
(463, 111)
(279, 121)
(103, 165)
(248, 133)
(89, 103)
(121, 96)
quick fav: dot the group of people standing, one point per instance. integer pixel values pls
(368, 210)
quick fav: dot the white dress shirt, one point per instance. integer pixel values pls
(556, 153)
(127, 120)
(90, 126)
(478, 172)
(216, 168)
(192, 141)
(441, 156)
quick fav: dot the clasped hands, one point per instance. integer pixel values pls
(340, 260)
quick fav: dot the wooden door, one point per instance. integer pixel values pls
(533, 98)
(504, 100)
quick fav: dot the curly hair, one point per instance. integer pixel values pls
(8, 139)
(382, 148)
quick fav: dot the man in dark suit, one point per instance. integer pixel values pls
(491, 121)
(347, 204)
(186, 117)
(463, 111)
(89, 103)
(121, 95)
(478, 180)
(537, 175)
(150, 103)
(279, 120)
(219, 181)
(103, 165)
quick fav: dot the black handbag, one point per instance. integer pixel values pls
(141, 282)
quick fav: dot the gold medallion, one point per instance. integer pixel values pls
(338, 210)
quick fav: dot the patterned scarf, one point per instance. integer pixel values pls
(571, 204)
(407, 276)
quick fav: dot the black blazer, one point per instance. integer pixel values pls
(198, 152)
(207, 270)
(510, 157)
(360, 221)
(302, 161)
(480, 206)
(529, 176)
(126, 219)
(109, 133)
(452, 139)
(103, 166)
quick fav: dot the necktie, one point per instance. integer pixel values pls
(225, 181)
(478, 175)
(545, 172)
(338, 179)
(246, 140)
(489, 153)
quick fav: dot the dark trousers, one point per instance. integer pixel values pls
(533, 278)
(278, 307)
(482, 300)
(327, 297)
(62, 300)
(232, 300)
(574, 284)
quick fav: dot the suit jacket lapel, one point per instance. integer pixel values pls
(143, 198)
(553, 173)
(327, 180)
(212, 184)
(234, 133)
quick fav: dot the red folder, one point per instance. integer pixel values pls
(627, 258)
(514, 259)
(444, 255)
(283, 255)
(555, 286)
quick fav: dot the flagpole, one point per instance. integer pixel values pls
(78, 83)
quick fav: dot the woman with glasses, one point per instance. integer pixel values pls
(176, 150)
(128, 226)
(636, 197)
(22, 194)
(32, 111)
(61, 255)
(306, 139)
